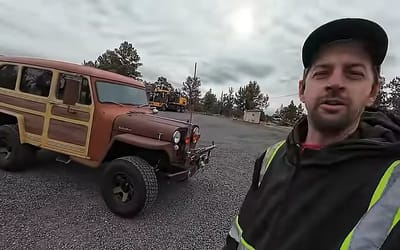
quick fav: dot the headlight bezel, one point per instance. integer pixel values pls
(176, 137)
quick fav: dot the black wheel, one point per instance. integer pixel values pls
(14, 156)
(129, 185)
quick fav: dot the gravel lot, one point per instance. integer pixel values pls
(56, 206)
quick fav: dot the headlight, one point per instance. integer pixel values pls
(176, 137)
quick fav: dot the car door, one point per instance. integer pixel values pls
(30, 99)
(69, 126)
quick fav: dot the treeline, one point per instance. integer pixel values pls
(287, 115)
(231, 103)
(389, 95)
(125, 60)
(234, 103)
(190, 89)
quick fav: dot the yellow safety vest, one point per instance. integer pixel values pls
(372, 229)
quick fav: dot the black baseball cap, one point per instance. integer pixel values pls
(347, 29)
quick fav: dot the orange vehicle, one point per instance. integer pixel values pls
(98, 119)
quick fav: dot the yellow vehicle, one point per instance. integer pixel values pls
(167, 100)
(158, 99)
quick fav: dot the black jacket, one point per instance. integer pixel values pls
(313, 199)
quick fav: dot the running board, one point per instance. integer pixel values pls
(63, 159)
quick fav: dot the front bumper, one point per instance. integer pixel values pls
(196, 159)
(199, 157)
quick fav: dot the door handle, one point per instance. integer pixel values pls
(70, 110)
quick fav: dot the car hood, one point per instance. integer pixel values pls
(149, 125)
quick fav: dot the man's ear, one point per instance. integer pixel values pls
(374, 93)
(302, 87)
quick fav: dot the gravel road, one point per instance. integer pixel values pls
(56, 206)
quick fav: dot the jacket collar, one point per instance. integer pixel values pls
(378, 129)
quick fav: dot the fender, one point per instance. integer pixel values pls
(141, 142)
(20, 123)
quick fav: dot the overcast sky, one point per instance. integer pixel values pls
(232, 41)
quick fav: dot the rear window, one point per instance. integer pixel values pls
(8, 76)
(36, 81)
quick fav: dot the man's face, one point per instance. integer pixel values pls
(338, 86)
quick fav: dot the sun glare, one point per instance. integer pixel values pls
(243, 22)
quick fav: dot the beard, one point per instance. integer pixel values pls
(334, 123)
(332, 126)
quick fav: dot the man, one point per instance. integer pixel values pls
(334, 183)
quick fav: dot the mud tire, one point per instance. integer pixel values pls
(19, 156)
(141, 190)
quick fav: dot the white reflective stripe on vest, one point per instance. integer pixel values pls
(373, 228)
(236, 233)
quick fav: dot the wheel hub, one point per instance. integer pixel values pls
(5, 149)
(122, 188)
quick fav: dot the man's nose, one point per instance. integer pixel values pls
(336, 79)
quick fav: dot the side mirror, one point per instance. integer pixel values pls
(155, 111)
(71, 91)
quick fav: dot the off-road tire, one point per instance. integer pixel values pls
(143, 178)
(22, 156)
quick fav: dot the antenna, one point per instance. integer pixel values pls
(191, 101)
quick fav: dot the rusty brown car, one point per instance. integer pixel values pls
(96, 118)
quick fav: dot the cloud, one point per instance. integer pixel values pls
(227, 71)
(171, 36)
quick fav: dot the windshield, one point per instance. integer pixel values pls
(122, 94)
(157, 97)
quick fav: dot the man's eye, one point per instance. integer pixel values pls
(320, 74)
(356, 74)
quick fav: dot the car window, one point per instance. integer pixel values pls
(8, 76)
(84, 95)
(36, 81)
